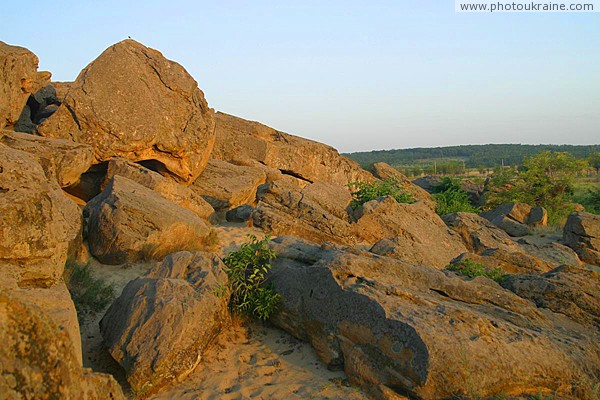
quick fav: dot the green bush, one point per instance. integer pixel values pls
(590, 199)
(546, 179)
(471, 269)
(247, 268)
(90, 294)
(365, 192)
(450, 198)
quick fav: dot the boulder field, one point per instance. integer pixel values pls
(128, 165)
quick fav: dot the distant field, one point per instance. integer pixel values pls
(471, 156)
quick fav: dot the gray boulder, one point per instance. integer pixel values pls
(163, 321)
(422, 332)
(129, 222)
(582, 234)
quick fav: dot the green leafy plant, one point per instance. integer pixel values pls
(471, 269)
(89, 293)
(247, 268)
(546, 179)
(590, 199)
(364, 192)
(450, 198)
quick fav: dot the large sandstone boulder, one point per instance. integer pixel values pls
(19, 79)
(62, 160)
(582, 234)
(36, 361)
(511, 218)
(385, 171)
(413, 233)
(39, 225)
(511, 262)
(132, 102)
(284, 209)
(555, 254)
(163, 321)
(128, 222)
(478, 233)
(518, 212)
(224, 185)
(571, 291)
(301, 158)
(424, 332)
(57, 305)
(493, 247)
(168, 188)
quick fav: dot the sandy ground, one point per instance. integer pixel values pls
(249, 361)
(261, 362)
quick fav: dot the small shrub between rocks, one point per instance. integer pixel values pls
(247, 268)
(89, 293)
(365, 192)
(450, 198)
(471, 269)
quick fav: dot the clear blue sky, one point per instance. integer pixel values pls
(356, 75)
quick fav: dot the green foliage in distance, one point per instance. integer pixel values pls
(594, 161)
(450, 198)
(364, 192)
(590, 199)
(247, 268)
(473, 156)
(545, 180)
(471, 269)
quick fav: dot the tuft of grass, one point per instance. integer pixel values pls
(364, 192)
(89, 293)
(247, 268)
(471, 269)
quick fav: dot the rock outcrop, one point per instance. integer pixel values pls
(239, 139)
(492, 247)
(63, 161)
(19, 78)
(582, 234)
(410, 232)
(423, 332)
(36, 361)
(284, 209)
(168, 188)
(567, 290)
(163, 321)
(478, 233)
(39, 225)
(224, 185)
(516, 219)
(132, 102)
(128, 222)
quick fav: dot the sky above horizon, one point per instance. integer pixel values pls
(358, 76)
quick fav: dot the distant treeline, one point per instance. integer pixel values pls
(473, 156)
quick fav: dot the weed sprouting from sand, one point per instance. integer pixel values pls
(247, 270)
(89, 293)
